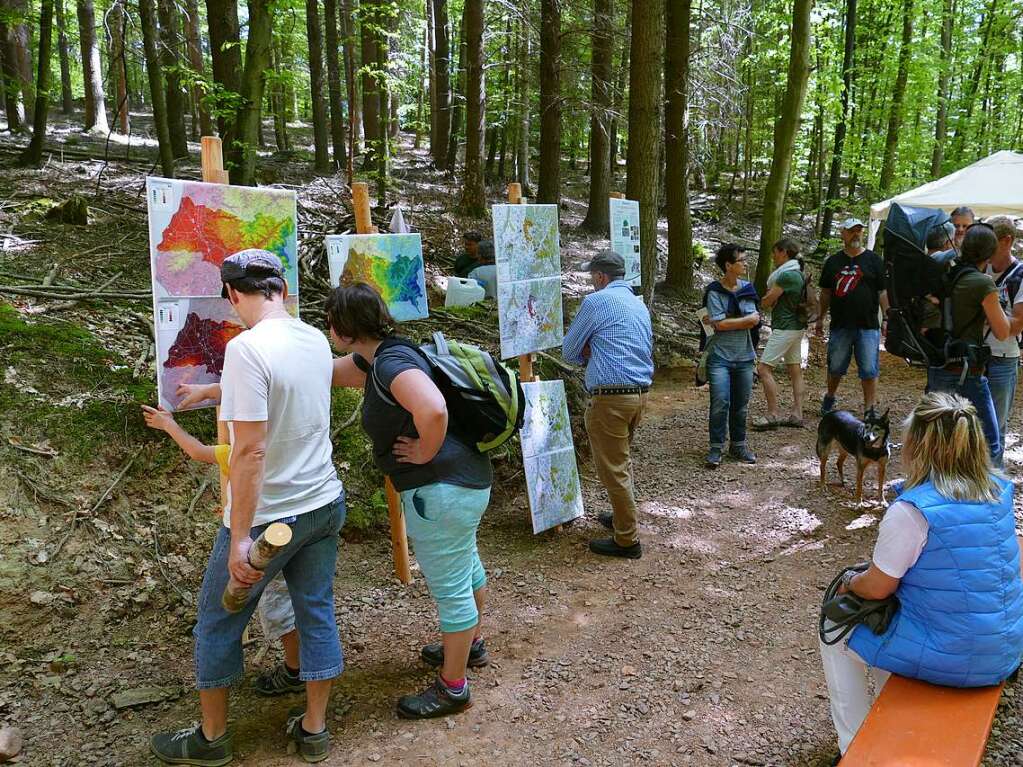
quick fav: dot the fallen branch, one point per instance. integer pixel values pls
(349, 421)
(198, 494)
(95, 506)
(559, 364)
(19, 290)
(42, 491)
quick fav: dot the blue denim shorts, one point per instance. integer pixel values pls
(866, 344)
(441, 521)
(308, 565)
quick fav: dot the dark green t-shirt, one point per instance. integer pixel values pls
(967, 313)
(464, 264)
(785, 314)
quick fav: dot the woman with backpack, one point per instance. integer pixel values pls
(733, 314)
(787, 298)
(444, 483)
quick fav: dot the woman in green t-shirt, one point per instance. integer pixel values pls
(785, 297)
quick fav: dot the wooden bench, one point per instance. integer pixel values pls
(915, 724)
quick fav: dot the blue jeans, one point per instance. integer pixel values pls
(866, 344)
(730, 387)
(441, 520)
(1002, 374)
(308, 566)
(975, 389)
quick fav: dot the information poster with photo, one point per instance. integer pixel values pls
(625, 236)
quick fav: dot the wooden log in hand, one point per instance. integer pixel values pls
(267, 546)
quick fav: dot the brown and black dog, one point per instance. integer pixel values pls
(866, 441)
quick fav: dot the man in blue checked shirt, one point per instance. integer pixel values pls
(611, 335)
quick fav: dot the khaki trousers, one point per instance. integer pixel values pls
(611, 421)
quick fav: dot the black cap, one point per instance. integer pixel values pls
(249, 263)
(606, 261)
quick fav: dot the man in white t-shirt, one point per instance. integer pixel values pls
(275, 397)
(1003, 368)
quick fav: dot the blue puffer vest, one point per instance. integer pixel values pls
(960, 622)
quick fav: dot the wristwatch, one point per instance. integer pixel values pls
(847, 579)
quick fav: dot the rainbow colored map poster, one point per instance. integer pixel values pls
(392, 263)
(193, 227)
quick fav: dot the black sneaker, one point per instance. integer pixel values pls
(312, 748)
(607, 519)
(608, 547)
(433, 654)
(436, 700)
(277, 681)
(713, 459)
(188, 746)
(742, 454)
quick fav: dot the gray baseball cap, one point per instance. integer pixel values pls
(253, 262)
(851, 223)
(606, 261)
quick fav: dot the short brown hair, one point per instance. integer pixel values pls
(357, 311)
(1003, 226)
(788, 246)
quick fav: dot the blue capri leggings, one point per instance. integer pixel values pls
(441, 521)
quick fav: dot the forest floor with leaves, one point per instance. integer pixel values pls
(701, 653)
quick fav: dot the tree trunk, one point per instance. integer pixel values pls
(386, 17)
(522, 98)
(95, 108)
(195, 61)
(423, 89)
(257, 61)
(33, 154)
(337, 124)
(493, 137)
(619, 97)
(549, 188)
(840, 127)
(118, 64)
(147, 20)
(66, 98)
(891, 143)
(370, 89)
(226, 55)
(314, 34)
(15, 53)
(647, 55)
(506, 117)
(351, 84)
(458, 102)
(676, 146)
(441, 132)
(277, 104)
(785, 130)
(598, 214)
(474, 193)
(941, 121)
(170, 39)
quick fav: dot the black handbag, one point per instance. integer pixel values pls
(847, 611)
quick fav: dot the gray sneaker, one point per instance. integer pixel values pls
(188, 746)
(312, 748)
(277, 681)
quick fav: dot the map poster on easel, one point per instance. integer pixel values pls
(548, 455)
(625, 236)
(391, 263)
(528, 255)
(193, 227)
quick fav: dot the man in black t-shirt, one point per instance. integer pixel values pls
(852, 287)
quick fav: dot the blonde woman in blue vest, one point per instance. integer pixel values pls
(947, 547)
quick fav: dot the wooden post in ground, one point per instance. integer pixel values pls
(617, 195)
(399, 541)
(525, 360)
(213, 172)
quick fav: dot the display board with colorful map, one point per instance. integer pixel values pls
(548, 455)
(193, 227)
(392, 263)
(191, 335)
(528, 256)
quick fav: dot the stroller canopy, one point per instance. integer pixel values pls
(911, 225)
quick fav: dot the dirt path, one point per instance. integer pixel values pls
(701, 653)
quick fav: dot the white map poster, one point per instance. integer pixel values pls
(548, 454)
(528, 256)
(625, 236)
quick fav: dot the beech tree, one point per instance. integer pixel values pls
(95, 106)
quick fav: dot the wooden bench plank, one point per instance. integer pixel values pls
(916, 724)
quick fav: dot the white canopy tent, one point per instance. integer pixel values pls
(990, 187)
